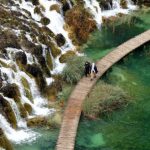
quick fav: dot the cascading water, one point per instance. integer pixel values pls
(11, 73)
(22, 134)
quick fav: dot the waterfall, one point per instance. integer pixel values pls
(23, 133)
(94, 8)
(17, 136)
(116, 8)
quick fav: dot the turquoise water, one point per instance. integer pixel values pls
(127, 129)
(46, 141)
(102, 42)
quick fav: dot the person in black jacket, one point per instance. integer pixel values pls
(87, 68)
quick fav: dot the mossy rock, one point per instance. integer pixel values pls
(54, 50)
(8, 112)
(36, 71)
(11, 91)
(28, 108)
(37, 10)
(55, 7)
(23, 112)
(49, 60)
(3, 64)
(21, 57)
(65, 7)
(37, 121)
(60, 39)
(64, 57)
(124, 4)
(4, 142)
(45, 21)
(45, 30)
(27, 89)
(42, 62)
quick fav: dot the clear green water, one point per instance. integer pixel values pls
(46, 141)
(102, 42)
(129, 128)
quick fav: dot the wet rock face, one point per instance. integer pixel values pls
(65, 7)
(8, 39)
(21, 57)
(8, 112)
(34, 70)
(37, 121)
(106, 4)
(34, 2)
(11, 91)
(60, 39)
(4, 142)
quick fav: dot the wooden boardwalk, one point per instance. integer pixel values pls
(66, 139)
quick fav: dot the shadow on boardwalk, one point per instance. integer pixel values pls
(66, 139)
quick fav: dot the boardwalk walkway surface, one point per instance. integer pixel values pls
(66, 139)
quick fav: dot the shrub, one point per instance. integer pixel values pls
(64, 57)
(74, 69)
(81, 23)
(103, 99)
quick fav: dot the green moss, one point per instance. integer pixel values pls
(37, 10)
(8, 112)
(64, 57)
(54, 50)
(28, 108)
(27, 89)
(37, 121)
(55, 7)
(45, 21)
(46, 31)
(3, 64)
(22, 110)
(4, 142)
(49, 60)
(124, 4)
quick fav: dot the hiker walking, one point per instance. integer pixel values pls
(87, 68)
(93, 71)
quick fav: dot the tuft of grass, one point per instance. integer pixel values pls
(103, 99)
(74, 69)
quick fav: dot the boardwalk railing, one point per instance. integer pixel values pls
(66, 139)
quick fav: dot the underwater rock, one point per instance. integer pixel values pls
(4, 142)
(60, 39)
